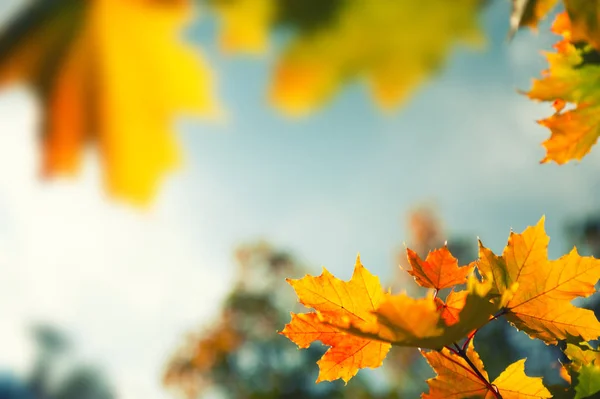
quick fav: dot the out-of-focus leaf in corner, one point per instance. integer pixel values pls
(393, 44)
(528, 13)
(585, 21)
(113, 72)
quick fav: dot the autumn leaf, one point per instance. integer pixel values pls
(569, 79)
(585, 367)
(405, 321)
(439, 270)
(348, 353)
(581, 355)
(457, 379)
(451, 308)
(529, 13)
(393, 44)
(334, 301)
(337, 41)
(113, 72)
(542, 289)
(245, 24)
(585, 21)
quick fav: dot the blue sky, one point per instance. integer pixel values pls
(127, 284)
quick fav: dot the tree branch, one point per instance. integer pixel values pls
(462, 353)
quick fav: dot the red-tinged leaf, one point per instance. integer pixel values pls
(439, 270)
(451, 308)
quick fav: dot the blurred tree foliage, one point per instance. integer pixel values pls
(240, 355)
(49, 379)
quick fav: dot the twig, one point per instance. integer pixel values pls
(452, 350)
(472, 335)
(462, 353)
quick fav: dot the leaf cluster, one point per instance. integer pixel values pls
(360, 322)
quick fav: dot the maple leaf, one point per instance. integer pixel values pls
(541, 289)
(405, 321)
(585, 366)
(439, 270)
(451, 308)
(111, 71)
(569, 79)
(585, 21)
(457, 379)
(335, 300)
(529, 13)
(374, 40)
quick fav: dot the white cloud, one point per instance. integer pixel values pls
(124, 283)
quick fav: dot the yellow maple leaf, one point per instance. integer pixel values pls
(541, 305)
(394, 44)
(334, 301)
(569, 79)
(457, 379)
(115, 72)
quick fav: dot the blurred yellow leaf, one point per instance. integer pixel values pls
(115, 72)
(394, 44)
(245, 24)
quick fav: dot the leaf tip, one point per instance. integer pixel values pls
(542, 221)
(358, 262)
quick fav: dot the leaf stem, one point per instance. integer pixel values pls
(451, 349)
(472, 335)
(469, 338)
(462, 353)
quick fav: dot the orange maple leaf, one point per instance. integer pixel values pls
(569, 79)
(347, 353)
(113, 72)
(337, 301)
(585, 21)
(542, 290)
(439, 270)
(451, 308)
(457, 379)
